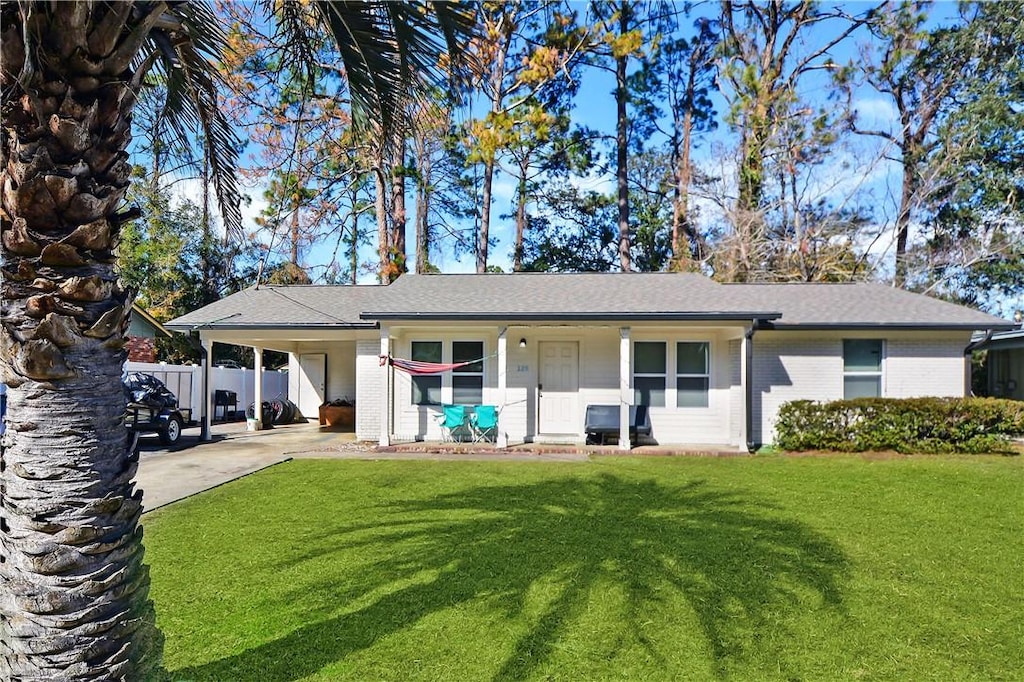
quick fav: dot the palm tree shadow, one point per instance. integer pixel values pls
(722, 552)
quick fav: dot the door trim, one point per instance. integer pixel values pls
(574, 431)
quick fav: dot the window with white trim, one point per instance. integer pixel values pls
(468, 381)
(649, 373)
(693, 373)
(862, 368)
(426, 389)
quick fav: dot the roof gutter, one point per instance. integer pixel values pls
(837, 326)
(572, 317)
(269, 326)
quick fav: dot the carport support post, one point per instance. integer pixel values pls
(501, 439)
(624, 393)
(257, 389)
(207, 345)
(385, 386)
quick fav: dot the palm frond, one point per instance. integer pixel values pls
(192, 107)
(391, 51)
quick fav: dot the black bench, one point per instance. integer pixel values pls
(603, 421)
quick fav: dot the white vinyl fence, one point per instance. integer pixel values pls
(186, 382)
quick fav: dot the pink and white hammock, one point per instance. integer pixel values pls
(417, 367)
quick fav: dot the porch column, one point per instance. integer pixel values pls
(257, 389)
(501, 439)
(206, 344)
(744, 385)
(385, 388)
(624, 393)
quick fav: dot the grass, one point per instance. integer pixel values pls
(763, 568)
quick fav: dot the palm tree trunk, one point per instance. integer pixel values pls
(73, 589)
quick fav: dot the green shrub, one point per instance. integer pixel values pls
(933, 425)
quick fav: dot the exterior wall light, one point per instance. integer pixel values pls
(522, 343)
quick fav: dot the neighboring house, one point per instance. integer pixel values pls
(142, 334)
(712, 361)
(1005, 364)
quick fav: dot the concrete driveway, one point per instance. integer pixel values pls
(192, 466)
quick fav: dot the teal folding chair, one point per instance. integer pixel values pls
(451, 420)
(484, 423)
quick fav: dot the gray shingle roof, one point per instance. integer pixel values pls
(522, 296)
(858, 304)
(285, 306)
(583, 296)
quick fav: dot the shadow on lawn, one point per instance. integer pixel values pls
(737, 564)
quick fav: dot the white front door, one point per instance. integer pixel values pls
(559, 386)
(312, 383)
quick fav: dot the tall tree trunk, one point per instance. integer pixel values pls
(353, 257)
(497, 94)
(73, 589)
(423, 212)
(398, 221)
(684, 245)
(908, 189)
(517, 255)
(483, 236)
(621, 147)
(293, 231)
(380, 209)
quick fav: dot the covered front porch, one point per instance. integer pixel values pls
(542, 376)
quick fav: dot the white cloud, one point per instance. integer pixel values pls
(188, 188)
(875, 112)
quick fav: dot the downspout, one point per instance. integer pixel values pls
(968, 369)
(748, 380)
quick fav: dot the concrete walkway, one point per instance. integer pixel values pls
(167, 475)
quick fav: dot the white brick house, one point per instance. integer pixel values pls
(712, 362)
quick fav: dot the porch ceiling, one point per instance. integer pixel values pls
(283, 340)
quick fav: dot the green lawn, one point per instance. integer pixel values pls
(762, 568)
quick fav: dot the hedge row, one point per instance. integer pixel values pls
(927, 425)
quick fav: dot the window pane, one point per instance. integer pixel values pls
(862, 355)
(426, 351)
(465, 351)
(426, 390)
(862, 387)
(692, 357)
(467, 390)
(649, 391)
(691, 392)
(649, 357)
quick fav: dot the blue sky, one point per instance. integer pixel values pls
(854, 172)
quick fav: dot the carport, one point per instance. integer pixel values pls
(318, 327)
